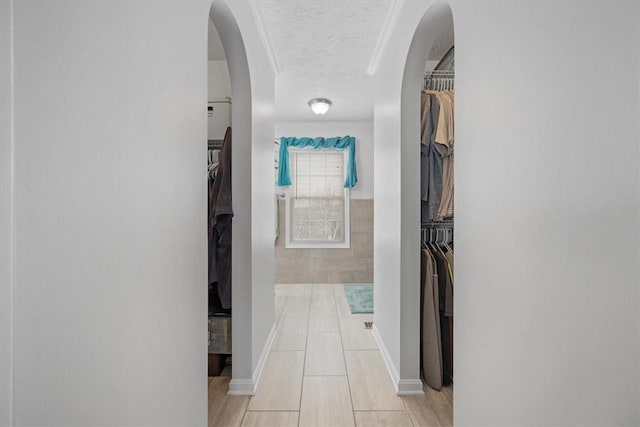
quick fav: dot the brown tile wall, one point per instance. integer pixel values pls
(353, 265)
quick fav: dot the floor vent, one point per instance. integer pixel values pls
(368, 325)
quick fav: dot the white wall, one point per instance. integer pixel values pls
(397, 207)
(6, 214)
(218, 82)
(387, 213)
(362, 131)
(561, 194)
(252, 175)
(110, 212)
(110, 265)
(546, 171)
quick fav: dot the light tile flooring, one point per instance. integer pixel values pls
(324, 369)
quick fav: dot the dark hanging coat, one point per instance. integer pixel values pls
(220, 214)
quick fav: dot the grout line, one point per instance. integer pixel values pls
(326, 375)
(304, 360)
(346, 368)
(406, 408)
(244, 415)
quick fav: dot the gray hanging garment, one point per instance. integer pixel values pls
(431, 336)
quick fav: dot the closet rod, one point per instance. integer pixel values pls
(439, 79)
(215, 144)
(441, 72)
(220, 101)
(446, 223)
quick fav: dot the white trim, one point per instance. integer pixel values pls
(241, 388)
(249, 387)
(257, 374)
(261, 26)
(391, 369)
(387, 30)
(410, 387)
(402, 387)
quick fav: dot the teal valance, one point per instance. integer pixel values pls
(335, 143)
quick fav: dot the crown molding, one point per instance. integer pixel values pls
(261, 26)
(387, 30)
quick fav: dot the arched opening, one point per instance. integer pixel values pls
(437, 140)
(219, 209)
(235, 335)
(241, 91)
(427, 206)
(417, 47)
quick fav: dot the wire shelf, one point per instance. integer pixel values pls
(439, 80)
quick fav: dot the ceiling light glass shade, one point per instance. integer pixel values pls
(319, 105)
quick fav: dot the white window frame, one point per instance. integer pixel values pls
(346, 244)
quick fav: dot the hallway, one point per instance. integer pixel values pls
(324, 368)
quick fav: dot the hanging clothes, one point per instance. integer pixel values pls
(220, 221)
(430, 159)
(437, 314)
(431, 341)
(445, 138)
(445, 287)
(437, 141)
(436, 196)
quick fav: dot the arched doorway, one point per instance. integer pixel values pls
(252, 93)
(399, 80)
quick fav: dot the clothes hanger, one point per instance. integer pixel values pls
(433, 242)
(423, 243)
(427, 242)
(446, 241)
(437, 241)
(449, 265)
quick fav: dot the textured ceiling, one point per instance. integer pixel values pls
(323, 49)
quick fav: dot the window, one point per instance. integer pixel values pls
(318, 203)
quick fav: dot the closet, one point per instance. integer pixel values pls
(220, 216)
(437, 212)
(219, 206)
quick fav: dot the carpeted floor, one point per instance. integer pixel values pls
(359, 297)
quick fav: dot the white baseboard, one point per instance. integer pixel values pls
(410, 387)
(393, 373)
(240, 387)
(257, 374)
(402, 387)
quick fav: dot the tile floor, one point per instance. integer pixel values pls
(324, 369)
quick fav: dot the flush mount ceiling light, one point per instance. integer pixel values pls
(319, 105)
